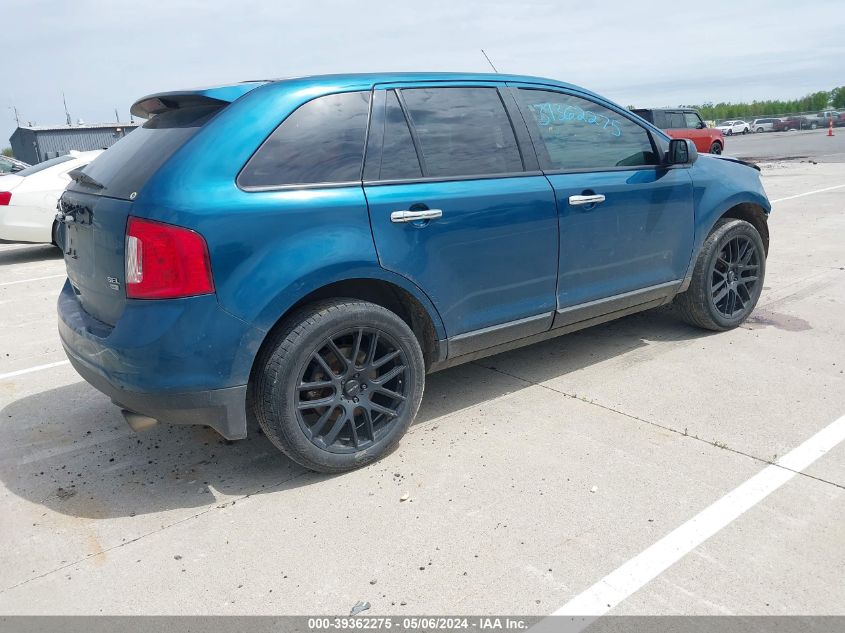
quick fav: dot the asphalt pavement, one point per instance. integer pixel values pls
(804, 145)
(638, 467)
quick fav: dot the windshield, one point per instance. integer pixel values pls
(45, 165)
(127, 165)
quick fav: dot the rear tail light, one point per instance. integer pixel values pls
(5, 198)
(165, 261)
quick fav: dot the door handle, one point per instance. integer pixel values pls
(593, 199)
(413, 216)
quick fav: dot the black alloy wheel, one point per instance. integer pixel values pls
(734, 277)
(727, 278)
(352, 390)
(338, 383)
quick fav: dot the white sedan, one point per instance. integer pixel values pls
(28, 198)
(729, 128)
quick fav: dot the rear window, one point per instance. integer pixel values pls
(128, 164)
(45, 165)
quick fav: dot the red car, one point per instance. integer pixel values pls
(686, 123)
(790, 123)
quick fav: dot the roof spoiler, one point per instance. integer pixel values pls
(153, 104)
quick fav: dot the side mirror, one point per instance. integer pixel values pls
(681, 152)
(702, 125)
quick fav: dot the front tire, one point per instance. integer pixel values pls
(339, 384)
(716, 148)
(727, 278)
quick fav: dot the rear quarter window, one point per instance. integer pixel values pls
(322, 141)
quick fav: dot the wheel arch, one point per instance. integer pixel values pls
(749, 207)
(752, 213)
(397, 295)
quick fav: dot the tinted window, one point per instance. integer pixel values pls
(580, 134)
(661, 120)
(692, 121)
(675, 121)
(399, 158)
(127, 165)
(34, 169)
(463, 131)
(320, 142)
(648, 115)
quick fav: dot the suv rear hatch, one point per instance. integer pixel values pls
(96, 206)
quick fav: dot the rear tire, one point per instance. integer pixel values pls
(362, 369)
(54, 233)
(727, 278)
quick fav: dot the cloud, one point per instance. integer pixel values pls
(104, 54)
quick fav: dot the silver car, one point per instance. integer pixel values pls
(763, 125)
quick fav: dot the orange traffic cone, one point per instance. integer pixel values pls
(830, 128)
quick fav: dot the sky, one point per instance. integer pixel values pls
(105, 54)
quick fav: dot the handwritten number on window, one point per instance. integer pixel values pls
(548, 114)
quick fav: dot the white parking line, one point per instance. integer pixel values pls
(637, 572)
(24, 281)
(807, 193)
(21, 372)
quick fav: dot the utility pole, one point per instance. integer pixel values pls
(67, 114)
(116, 116)
(17, 117)
(488, 61)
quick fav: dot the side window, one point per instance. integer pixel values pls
(398, 156)
(580, 134)
(462, 131)
(692, 120)
(660, 119)
(320, 142)
(676, 121)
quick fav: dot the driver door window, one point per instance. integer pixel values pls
(693, 122)
(581, 134)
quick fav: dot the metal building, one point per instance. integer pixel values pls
(36, 143)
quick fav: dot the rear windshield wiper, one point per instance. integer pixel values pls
(80, 176)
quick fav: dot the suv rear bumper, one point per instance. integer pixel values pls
(182, 361)
(224, 410)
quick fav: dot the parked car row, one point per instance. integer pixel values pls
(688, 123)
(784, 124)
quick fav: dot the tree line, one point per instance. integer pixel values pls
(813, 102)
